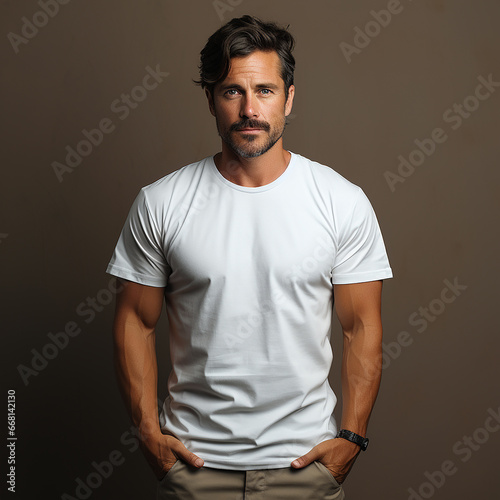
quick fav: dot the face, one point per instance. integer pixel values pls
(250, 106)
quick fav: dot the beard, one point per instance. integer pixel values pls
(252, 145)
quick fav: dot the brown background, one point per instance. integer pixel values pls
(358, 117)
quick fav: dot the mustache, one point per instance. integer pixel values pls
(250, 124)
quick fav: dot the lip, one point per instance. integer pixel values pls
(250, 130)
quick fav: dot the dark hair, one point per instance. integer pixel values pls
(240, 37)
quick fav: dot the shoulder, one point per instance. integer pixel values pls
(328, 181)
(175, 185)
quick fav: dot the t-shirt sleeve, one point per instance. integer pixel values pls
(138, 255)
(361, 255)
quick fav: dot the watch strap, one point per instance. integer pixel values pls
(361, 441)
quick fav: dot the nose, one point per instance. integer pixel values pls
(249, 107)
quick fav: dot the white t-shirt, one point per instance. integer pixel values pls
(248, 273)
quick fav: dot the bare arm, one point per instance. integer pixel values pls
(358, 309)
(138, 308)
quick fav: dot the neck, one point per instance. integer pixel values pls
(252, 172)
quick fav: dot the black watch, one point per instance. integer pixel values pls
(354, 438)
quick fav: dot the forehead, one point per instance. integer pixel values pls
(257, 66)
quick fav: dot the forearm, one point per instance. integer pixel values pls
(358, 306)
(361, 374)
(138, 310)
(137, 371)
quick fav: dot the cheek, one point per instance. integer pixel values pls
(226, 114)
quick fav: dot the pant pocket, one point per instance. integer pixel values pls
(327, 473)
(169, 473)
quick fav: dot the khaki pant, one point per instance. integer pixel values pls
(185, 482)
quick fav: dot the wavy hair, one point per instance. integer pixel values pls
(240, 37)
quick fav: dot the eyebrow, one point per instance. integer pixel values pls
(228, 86)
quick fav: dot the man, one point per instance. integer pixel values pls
(250, 248)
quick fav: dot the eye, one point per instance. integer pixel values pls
(231, 93)
(266, 91)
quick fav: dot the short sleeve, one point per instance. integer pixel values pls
(361, 255)
(138, 255)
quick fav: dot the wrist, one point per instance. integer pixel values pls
(352, 437)
(359, 426)
(149, 430)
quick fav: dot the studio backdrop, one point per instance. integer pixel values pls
(401, 97)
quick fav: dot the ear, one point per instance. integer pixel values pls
(210, 99)
(289, 101)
